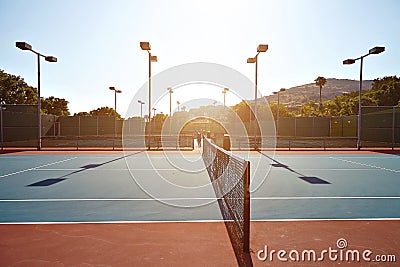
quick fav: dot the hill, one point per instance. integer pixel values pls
(302, 94)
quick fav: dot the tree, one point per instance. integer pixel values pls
(384, 92)
(344, 105)
(243, 111)
(320, 81)
(14, 90)
(82, 114)
(310, 109)
(105, 111)
(283, 110)
(54, 106)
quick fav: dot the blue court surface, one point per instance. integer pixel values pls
(140, 186)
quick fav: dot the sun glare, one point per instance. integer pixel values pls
(194, 96)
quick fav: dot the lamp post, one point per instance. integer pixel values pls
(170, 101)
(170, 108)
(146, 46)
(375, 50)
(177, 102)
(261, 48)
(141, 107)
(277, 112)
(26, 46)
(115, 108)
(224, 92)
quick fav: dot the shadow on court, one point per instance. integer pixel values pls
(52, 181)
(305, 178)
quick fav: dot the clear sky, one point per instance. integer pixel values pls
(97, 42)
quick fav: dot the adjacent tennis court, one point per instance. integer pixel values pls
(117, 192)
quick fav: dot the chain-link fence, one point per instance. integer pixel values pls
(380, 127)
(18, 125)
(106, 132)
(18, 128)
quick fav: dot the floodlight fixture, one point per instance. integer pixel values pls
(251, 60)
(376, 50)
(262, 48)
(23, 45)
(50, 59)
(153, 59)
(349, 61)
(145, 45)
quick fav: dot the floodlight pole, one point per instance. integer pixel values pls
(39, 106)
(149, 85)
(360, 104)
(260, 48)
(26, 46)
(146, 46)
(141, 107)
(255, 103)
(115, 108)
(224, 93)
(149, 123)
(170, 109)
(277, 112)
(375, 50)
(170, 101)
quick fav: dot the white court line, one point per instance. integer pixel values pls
(37, 167)
(327, 169)
(96, 169)
(369, 157)
(333, 197)
(104, 199)
(83, 169)
(198, 221)
(327, 156)
(366, 165)
(323, 220)
(192, 198)
(172, 169)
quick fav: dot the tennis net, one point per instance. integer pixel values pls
(230, 176)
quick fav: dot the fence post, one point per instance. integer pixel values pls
(393, 128)
(97, 125)
(342, 126)
(79, 132)
(313, 126)
(295, 126)
(1, 127)
(54, 125)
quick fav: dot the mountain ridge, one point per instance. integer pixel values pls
(301, 94)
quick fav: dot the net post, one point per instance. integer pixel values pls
(246, 208)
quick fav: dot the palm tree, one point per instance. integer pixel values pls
(320, 81)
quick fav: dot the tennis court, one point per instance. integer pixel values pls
(50, 201)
